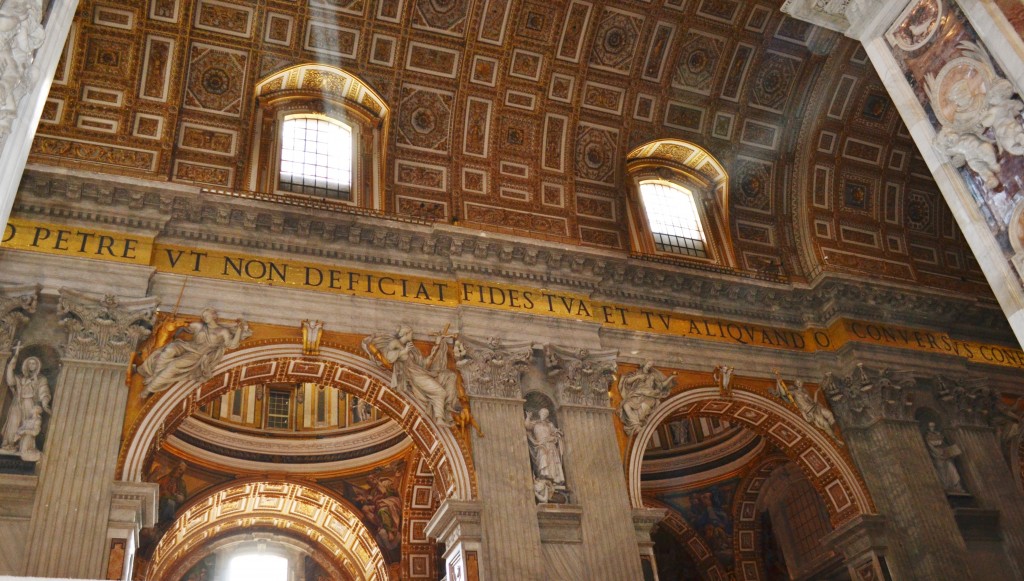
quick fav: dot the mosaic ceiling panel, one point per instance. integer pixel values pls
(517, 114)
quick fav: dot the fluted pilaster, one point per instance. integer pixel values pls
(68, 533)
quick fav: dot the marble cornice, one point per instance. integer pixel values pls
(188, 215)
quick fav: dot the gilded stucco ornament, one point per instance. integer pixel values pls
(641, 390)
(21, 33)
(193, 358)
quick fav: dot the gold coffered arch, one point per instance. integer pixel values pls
(447, 455)
(303, 509)
(826, 465)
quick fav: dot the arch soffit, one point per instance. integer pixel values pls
(747, 528)
(326, 80)
(446, 455)
(828, 469)
(711, 569)
(304, 509)
(689, 158)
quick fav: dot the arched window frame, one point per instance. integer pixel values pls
(332, 93)
(689, 167)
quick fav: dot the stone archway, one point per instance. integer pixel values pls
(827, 466)
(305, 510)
(711, 569)
(447, 456)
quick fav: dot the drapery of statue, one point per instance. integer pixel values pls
(428, 380)
(191, 358)
(641, 390)
(30, 391)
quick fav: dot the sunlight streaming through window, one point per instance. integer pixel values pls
(258, 568)
(316, 156)
(675, 223)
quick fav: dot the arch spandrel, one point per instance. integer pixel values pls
(827, 466)
(283, 361)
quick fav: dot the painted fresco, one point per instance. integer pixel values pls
(379, 505)
(709, 511)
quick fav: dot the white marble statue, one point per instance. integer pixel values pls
(21, 33)
(808, 405)
(194, 358)
(427, 379)
(1001, 116)
(968, 148)
(545, 441)
(942, 458)
(641, 391)
(29, 390)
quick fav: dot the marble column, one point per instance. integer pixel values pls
(984, 465)
(70, 517)
(31, 55)
(594, 469)
(926, 542)
(491, 374)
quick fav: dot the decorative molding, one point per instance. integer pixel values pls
(16, 304)
(104, 329)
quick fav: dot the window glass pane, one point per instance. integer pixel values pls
(313, 147)
(277, 409)
(258, 568)
(672, 215)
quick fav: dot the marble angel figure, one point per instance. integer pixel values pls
(807, 404)
(427, 379)
(194, 358)
(641, 391)
(29, 390)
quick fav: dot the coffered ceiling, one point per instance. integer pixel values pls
(517, 115)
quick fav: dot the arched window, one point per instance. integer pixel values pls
(678, 204)
(673, 218)
(320, 132)
(316, 156)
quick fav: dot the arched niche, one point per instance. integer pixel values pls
(321, 89)
(284, 362)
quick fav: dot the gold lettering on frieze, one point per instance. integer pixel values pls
(112, 246)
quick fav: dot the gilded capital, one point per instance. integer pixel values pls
(104, 329)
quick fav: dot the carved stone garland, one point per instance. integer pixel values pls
(490, 368)
(581, 377)
(16, 304)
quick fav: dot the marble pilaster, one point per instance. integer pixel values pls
(457, 524)
(996, 489)
(491, 373)
(898, 471)
(863, 545)
(67, 536)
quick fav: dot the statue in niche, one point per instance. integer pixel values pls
(545, 441)
(30, 393)
(641, 391)
(807, 404)
(942, 458)
(193, 358)
(427, 379)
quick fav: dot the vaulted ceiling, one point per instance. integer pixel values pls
(517, 114)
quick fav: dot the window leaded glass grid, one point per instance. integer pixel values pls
(278, 404)
(316, 157)
(673, 218)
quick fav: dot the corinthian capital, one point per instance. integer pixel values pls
(491, 368)
(104, 329)
(16, 304)
(582, 377)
